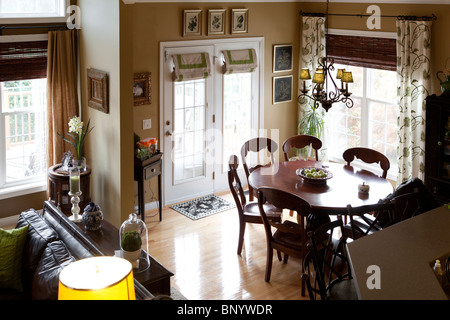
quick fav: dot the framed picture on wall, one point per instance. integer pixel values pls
(282, 89)
(282, 58)
(192, 22)
(216, 21)
(98, 90)
(239, 20)
(142, 88)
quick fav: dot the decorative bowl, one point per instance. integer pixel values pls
(308, 175)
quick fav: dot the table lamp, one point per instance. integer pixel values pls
(97, 278)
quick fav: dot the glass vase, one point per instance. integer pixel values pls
(133, 235)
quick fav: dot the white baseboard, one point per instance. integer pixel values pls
(148, 206)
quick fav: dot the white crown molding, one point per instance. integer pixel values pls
(331, 1)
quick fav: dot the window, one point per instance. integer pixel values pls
(372, 122)
(22, 125)
(23, 89)
(43, 9)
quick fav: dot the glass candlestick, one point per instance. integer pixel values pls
(75, 193)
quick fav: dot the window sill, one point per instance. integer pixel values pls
(22, 190)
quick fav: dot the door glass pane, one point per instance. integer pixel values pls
(237, 113)
(189, 126)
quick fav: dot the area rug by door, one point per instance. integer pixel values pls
(202, 207)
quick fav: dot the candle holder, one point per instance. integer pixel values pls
(75, 193)
(75, 200)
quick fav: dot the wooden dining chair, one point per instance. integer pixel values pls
(367, 219)
(299, 142)
(407, 205)
(248, 212)
(288, 237)
(327, 270)
(368, 156)
(257, 145)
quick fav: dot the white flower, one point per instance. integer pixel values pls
(76, 125)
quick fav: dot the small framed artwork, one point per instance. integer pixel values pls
(239, 20)
(98, 91)
(216, 21)
(192, 22)
(142, 88)
(282, 89)
(282, 58)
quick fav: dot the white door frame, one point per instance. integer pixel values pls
(210, 42)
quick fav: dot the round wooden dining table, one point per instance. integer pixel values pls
(330, 198)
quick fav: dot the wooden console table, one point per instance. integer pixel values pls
(145, 170)
(155, 279)
(59, 187)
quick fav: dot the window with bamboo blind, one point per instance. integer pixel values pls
(23, 60)
(367, 52)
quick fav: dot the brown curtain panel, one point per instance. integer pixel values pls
(62, 97)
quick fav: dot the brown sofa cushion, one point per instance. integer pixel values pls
(39, 235)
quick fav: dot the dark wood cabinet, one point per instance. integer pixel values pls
(437, 147)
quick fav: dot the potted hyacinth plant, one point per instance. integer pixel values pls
(78, 132)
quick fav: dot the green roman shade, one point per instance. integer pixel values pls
(191, 66)
(238, 61)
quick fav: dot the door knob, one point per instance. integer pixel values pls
(168, 133)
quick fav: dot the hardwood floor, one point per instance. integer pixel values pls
(202, 255)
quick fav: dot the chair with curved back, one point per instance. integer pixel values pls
(288, 237)
(368, 156)
(367, 219)
(248, 211)
(299, 142)
(256, 145)
(327, 270)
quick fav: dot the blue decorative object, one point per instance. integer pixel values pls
(92, 217)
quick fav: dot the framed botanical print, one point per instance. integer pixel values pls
(192, 22)
(239, 20)
(282, 58)
(216, 21)
(282, 89)
(142, 90)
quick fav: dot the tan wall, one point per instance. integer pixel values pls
(278, 23)
(109, 145)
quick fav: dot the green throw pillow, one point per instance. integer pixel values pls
(11, 252)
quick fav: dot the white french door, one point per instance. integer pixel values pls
(204, 121)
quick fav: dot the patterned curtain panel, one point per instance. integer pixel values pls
(413, 84)
(191, 66)
(312, 48)
(238, 61)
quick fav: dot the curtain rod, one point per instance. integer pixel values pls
(399, 17)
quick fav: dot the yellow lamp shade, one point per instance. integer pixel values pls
(339, 73)
(319, 78)
(347, 77)
(304, 74)
(97, 278)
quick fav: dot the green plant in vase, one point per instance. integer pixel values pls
(78, 132)
(130, 244)
(312, 124)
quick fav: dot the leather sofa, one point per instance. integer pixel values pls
(50, 246)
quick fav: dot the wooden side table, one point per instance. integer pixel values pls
(59, 187)
(145, 170)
